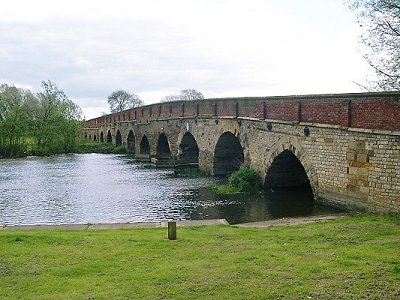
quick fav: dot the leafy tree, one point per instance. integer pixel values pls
(49, 119)
(121, 100)
(381, 38)
(57, 121)
(14, 119)
(188, 94)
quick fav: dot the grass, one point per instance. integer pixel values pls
(352, 258)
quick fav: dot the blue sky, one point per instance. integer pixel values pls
(156, 48)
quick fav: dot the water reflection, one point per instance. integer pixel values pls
(98, 188)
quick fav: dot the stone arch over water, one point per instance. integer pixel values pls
(189, 150)
(287, 165)
(163, 149)
(101, 137)
(144, 145)
(228, 154)
(118, 138)
(130, 142)
(109, 137)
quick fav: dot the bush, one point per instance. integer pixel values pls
(94, 147)
(119, 150)
(245, 180)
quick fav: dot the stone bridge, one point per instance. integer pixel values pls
(346, 147)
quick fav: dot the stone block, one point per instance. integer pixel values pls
(353, 171)
(350, 156)
(361, 157)
(364, 190)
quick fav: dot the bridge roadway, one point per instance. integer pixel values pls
(344, 147)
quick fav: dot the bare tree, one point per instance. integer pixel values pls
(188, 94)
(170, 98)
(380, 20)
(121, 100)
(191, 94)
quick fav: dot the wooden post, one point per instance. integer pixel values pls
(172, 230)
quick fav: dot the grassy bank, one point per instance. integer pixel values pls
(352, 258)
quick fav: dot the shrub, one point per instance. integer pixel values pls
(245, 180)
(119, 150)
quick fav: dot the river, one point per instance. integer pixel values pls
(104, 188)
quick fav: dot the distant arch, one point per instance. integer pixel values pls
(189, 150)
(95, 137)
(101, 137)
(163, 149)
(130, 142)
(109, 137)
(144, 145)
(228, 154)
(118, 138)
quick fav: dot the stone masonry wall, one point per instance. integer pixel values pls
(351, 154)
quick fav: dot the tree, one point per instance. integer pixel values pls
(188, 94)
(121, 100)
(14, 119)
(57, 121)
(381, 38)
(191, 94)
(171, 98)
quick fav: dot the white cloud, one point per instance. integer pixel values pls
(155, 48)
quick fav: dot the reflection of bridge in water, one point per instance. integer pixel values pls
(344, 147)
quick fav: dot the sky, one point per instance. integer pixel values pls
(155, 48)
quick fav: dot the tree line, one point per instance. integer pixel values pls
(44, 123)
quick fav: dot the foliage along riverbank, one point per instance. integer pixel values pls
(37, 124)
(351, 258)
(245, 181)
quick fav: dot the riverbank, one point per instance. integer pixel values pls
(182, 223)
(351, 257)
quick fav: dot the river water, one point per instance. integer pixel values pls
(104, 188)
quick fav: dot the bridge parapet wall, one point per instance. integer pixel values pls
(366, 110)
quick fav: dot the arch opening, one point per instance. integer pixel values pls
(144, 145)
(288, 187)
(189, 151)
(101, 137)
(163, 150)
(228, 155)
(109, 137)
(118, 138)
(130, 142)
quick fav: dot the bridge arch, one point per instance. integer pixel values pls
(101, 137)
(130, 142)
(144, 145)
(118, 138)
(163, 149)
(189, 150)
(289, 166)
(228, 154)
(109, 137)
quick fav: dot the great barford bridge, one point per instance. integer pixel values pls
(346, 147)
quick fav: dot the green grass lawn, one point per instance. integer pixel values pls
(351, 258)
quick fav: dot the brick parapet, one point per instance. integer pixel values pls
(363, 110)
